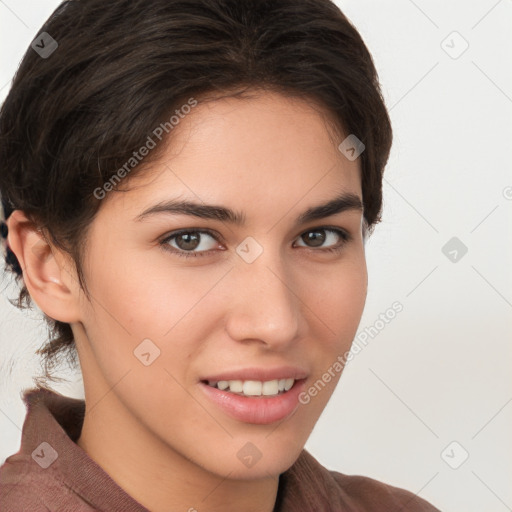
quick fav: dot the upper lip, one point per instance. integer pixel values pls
(260, 374)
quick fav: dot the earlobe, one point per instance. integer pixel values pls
(50, 283)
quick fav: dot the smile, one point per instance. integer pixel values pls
(254, 388)
(254, 401)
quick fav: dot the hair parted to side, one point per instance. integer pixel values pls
(121, 68)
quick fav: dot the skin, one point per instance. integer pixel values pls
(271, 158)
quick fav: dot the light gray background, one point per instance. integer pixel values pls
(440, 371)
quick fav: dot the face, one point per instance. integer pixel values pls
(197, 321)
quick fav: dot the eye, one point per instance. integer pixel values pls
(193, 243)
(190, 242)
(326, 238)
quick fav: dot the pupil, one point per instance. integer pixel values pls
(191, 241)
(317, 237)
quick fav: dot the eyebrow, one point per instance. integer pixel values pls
(342, 203)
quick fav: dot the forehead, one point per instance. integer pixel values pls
(263, 123)
(266, 150)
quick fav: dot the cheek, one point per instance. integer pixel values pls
(136, 300)
(148, 295)
(339, 301)
(339, 296)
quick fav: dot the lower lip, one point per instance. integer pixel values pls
(261, 410)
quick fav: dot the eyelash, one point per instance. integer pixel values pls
(345, 237)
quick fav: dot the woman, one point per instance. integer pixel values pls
(187, 190)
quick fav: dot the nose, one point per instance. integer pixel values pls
(264, 306)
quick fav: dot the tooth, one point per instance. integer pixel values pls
(252, 387)
(270, 387)
(236, 386)
(288, 384)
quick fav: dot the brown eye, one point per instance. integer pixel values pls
(324, 238)
(190, 243)
(314, 238)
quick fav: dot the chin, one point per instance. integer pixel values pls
(250, 455)
(243, 468)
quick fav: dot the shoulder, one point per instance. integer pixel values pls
(19, 486)
(23, 487)
(327, 490)
(375, 495)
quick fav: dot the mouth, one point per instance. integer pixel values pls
(253, 388)
(256, 396)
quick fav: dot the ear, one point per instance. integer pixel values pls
(48, 275)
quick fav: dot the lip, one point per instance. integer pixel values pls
(260, 410)
(261, 374)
